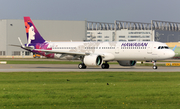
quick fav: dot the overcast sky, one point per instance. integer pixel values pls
(92, 10)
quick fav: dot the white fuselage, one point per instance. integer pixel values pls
(117, 50)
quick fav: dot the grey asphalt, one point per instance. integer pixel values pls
(73, 68)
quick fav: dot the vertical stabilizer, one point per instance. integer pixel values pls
(32, 33)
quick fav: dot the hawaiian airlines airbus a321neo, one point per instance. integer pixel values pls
(96, 53)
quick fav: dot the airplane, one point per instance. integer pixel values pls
(96, 53)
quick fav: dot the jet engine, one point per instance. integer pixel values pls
(93, 60)
(127, 63)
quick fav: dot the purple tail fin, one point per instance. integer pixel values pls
(32, 33)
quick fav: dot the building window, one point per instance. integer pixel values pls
(147, 33)
(16, 53)
(131, 40)
(99, 36)
(88, 33)
(106, 40)
(99, 40)
(106, 36)
(99, 33)
(27, 53)
(139, 32)
(138, 36)
(2, 53)
(134, 36)
(146, 40)
(121, 36)
(122, 40)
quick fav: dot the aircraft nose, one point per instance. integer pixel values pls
(171, 54)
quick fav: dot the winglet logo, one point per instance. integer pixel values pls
(30, 32)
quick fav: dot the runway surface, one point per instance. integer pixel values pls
(74, 68)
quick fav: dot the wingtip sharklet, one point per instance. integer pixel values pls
(21, 42)
(22, 45)
(174, 48)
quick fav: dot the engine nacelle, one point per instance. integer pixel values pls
(127, 63)
(93, 60)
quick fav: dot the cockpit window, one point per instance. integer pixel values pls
(166, 47)
(163, 47)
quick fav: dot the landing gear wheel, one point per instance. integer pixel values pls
(155, 67)
(105, 66)
(82, 66)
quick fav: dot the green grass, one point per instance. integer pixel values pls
(89, 90)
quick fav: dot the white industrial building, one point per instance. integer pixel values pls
(119, 31)
(122, 35)
(162, 31)
(10, 30)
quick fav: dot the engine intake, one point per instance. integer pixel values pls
(127, 63)
(93, 60)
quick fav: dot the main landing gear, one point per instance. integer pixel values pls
(154, 65)
(105, 65)
(82, 66)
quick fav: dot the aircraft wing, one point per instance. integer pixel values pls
(62, 52)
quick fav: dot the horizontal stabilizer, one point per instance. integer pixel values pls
(27, 48)
(15, 45)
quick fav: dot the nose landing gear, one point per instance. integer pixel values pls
(154, 65)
